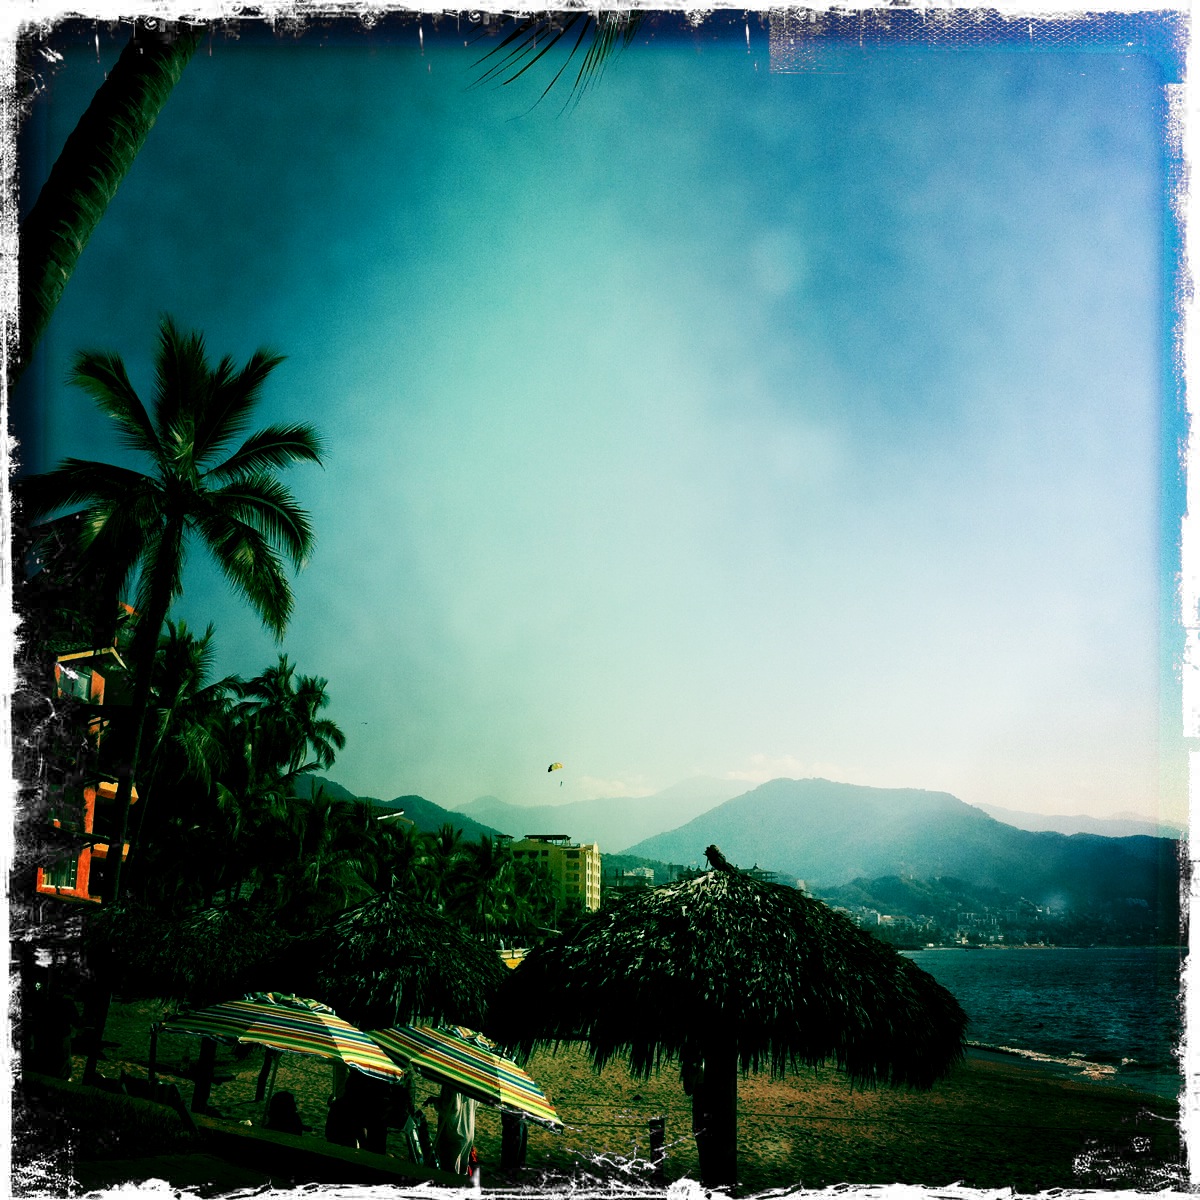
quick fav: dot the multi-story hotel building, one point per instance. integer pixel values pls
(573, 866)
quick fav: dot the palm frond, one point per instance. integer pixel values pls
(276, 446)
(94, 160)
(230, 403)
(262, 502)
(534, 36)
(181, 384)
(611, 28)
(103, 377)
(252, 566)
(77, 481)
(113, 535)
(160, 581)
(527, 33)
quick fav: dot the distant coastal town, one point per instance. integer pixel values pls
(914, 914)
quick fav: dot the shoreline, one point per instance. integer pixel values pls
(1047, 946)
(1079, 1070)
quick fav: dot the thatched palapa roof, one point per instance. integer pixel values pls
(393, 960)
(201, 958)
(794, 981)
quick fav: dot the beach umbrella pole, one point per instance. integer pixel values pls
(205, 1068)
(270, 1087)
(260, 1088)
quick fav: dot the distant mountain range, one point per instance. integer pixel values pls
(829, 834)
(1124, 825)
(614, 823)
(424, 814)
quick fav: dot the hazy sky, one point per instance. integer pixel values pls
(732, 423)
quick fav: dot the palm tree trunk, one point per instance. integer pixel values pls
(139, 707)
(95, 159)
(714, 1111)
(97, 1018)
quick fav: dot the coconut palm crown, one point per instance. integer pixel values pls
(137, 524)
(195, 485)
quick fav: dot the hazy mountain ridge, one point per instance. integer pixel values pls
(830, 834)
(1121, 826)
(614, 822)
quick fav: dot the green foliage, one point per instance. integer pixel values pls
(535, 36)
(96, 158)
(197, 958)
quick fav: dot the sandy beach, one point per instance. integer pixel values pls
(990, 1124)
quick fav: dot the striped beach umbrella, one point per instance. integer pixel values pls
(292, 1024)
(469, 1063)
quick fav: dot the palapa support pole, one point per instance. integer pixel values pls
(205, 1069)
(658, 1149)
(714, 1112)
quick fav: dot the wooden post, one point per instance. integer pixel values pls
(658, 1149)
(153, 1064)
(205, 1070)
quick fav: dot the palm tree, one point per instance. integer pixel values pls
(445, 852)
(137, 524)
(103, 146)
(336, 857)
(484, 884)
(190, 716)
(284, 711)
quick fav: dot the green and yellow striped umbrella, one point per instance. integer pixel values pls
(292, 1024)
(469, 1063)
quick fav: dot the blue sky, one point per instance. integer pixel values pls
(733, 422)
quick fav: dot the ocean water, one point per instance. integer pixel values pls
(1105, 1013)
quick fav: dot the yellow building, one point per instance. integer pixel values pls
(573, 866)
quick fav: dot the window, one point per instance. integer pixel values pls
(62, 874)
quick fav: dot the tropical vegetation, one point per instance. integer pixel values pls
(133, 527)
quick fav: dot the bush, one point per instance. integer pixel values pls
(93, 1123)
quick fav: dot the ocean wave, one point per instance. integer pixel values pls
(1074, 1060)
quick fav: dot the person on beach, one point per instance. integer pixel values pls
(455, 1140)
(342, 1126)
(283, 1116)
